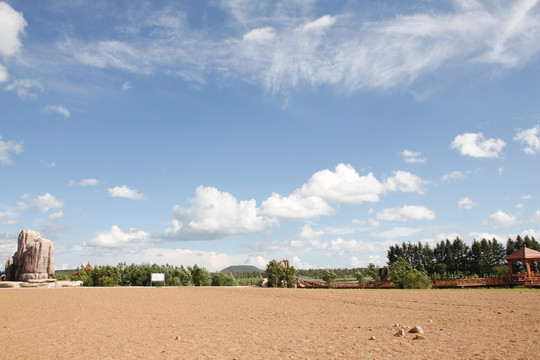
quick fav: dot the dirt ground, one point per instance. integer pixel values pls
(257, 323)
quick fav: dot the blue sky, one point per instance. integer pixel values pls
(236, 132)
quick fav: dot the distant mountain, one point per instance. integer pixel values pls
(242, 268)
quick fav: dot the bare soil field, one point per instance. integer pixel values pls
(258, 323)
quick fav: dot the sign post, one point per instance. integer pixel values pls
(157, 277)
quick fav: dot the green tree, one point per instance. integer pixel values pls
(360, 278)
(405, 276)
(274, 273)
(200, 276)
(329, 277)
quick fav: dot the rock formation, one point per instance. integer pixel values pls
(34, 259)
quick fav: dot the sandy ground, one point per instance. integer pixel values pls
(255, 323)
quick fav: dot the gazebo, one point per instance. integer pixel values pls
(526, 256)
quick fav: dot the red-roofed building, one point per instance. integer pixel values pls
(525, 256)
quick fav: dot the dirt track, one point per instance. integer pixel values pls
(254, 323)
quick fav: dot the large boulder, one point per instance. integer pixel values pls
(34, 259)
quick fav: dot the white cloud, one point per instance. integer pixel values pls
(344, 185)
(535, 219)
(453, 176)
(500, 219)
(116, 239)
(300, 264)
(320, 24)
(85, 182)
(487, 236)
(474, 145)
(295, 207)
(12, 25)
(528, 197)
(126, 86)
(260, 34)
(216, 215)
(6, 214)
(307, 237)
(4, 76)
(125, 192)
(531, 233)
(406, 213)
(412, 157)
(56, 215)
(405, 182)
(302, 48)
(466, 203)
(398, 232)
(43, 203)
(531, 138)
(26, 88)
(7, 148)
(58, 109)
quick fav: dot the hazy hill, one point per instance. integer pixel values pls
(242, 268)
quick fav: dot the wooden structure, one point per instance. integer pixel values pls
(525, 256)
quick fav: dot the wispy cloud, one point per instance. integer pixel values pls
(56, 109)
(84, 182)
(453, 176)
(283, 50)
(7, 148)
(412, 157)
(26, 88)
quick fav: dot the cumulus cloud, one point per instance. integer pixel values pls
(341, 186)
(344, 185)
(56, 109)
(85, 182)
(124, 192)
(406, 213)
(466, 203)
(43, 203)
(500, 219)
(12, 25)
(7, 148)
(295, 207)
(404, 181)
(453, 176)
(116, 239)
(412, 157)
(475, 145)
(216, 215)
(531, 138)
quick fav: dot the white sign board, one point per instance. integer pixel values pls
(158, 277)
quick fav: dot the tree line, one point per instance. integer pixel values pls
(455, 259)
(140, 275)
